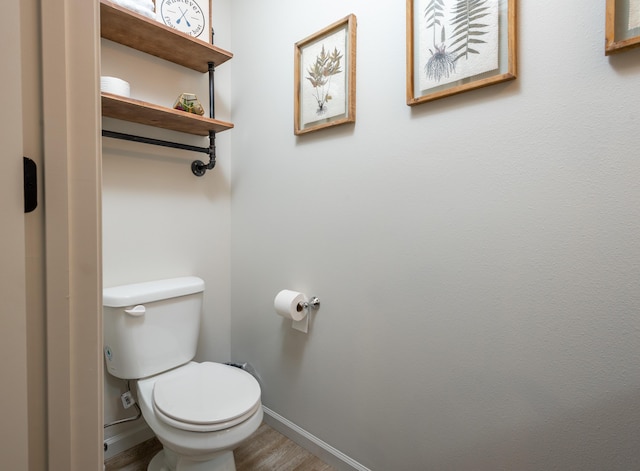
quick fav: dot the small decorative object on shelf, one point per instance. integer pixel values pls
(189, 102)
(143, 7)
(188, 16)
(115, 85)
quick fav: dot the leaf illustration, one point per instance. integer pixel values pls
(319, 75)
(467, 29)
(433, 13)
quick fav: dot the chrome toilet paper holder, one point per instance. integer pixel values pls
(303, 324)
(313, 303)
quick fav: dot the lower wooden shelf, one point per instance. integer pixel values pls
(137, 111)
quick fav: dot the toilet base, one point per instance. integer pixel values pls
(166, 460)
(157, 463)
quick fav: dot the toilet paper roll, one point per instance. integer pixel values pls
(289, 304)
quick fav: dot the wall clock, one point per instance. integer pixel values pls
(189, 16)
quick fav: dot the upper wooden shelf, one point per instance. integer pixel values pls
(126, 27)
(137, 111)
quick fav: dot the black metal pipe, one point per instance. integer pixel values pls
(197, 166)
(212, 100)
(155, 142)
(212, 150)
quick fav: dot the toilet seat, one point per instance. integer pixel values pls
(205, 397)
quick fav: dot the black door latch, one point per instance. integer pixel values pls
(30, 185)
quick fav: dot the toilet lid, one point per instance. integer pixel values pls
(206, 394)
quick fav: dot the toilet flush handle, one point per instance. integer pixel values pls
(136, 311)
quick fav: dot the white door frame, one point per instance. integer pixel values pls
(72, 179)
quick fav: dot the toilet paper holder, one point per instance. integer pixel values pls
(297, 307)
(303, 324)
(313, 303)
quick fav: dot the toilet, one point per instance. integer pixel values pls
(200, 412)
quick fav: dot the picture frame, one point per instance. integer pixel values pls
(325, 77)
(622, 28)
(453, 47)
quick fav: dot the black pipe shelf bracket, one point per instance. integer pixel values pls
(152, 141)
(198, 167)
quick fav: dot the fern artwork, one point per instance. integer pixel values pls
(324, 78)
(324, 84)
(457, 39)
(319, 74)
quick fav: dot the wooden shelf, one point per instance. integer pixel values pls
(126, 27)
(136, 31)
(137, 111)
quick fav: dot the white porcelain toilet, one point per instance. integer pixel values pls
(200, 412)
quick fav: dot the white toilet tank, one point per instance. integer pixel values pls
(151, 327)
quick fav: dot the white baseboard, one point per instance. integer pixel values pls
(126, 440)
(313, 444)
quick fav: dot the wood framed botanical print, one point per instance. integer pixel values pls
(325, 78)
(622, 29)
(454, 46)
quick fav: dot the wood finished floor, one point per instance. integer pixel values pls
(266, 450)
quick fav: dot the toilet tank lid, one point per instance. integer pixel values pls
(149, 291)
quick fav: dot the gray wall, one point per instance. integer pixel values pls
(477, 258)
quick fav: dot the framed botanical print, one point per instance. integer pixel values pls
(325, 78)
(458, 45)
(622, 29)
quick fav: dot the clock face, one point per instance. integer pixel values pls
(188, 16)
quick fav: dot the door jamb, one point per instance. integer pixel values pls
(72, 175)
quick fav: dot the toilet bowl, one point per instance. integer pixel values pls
(199, 412)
